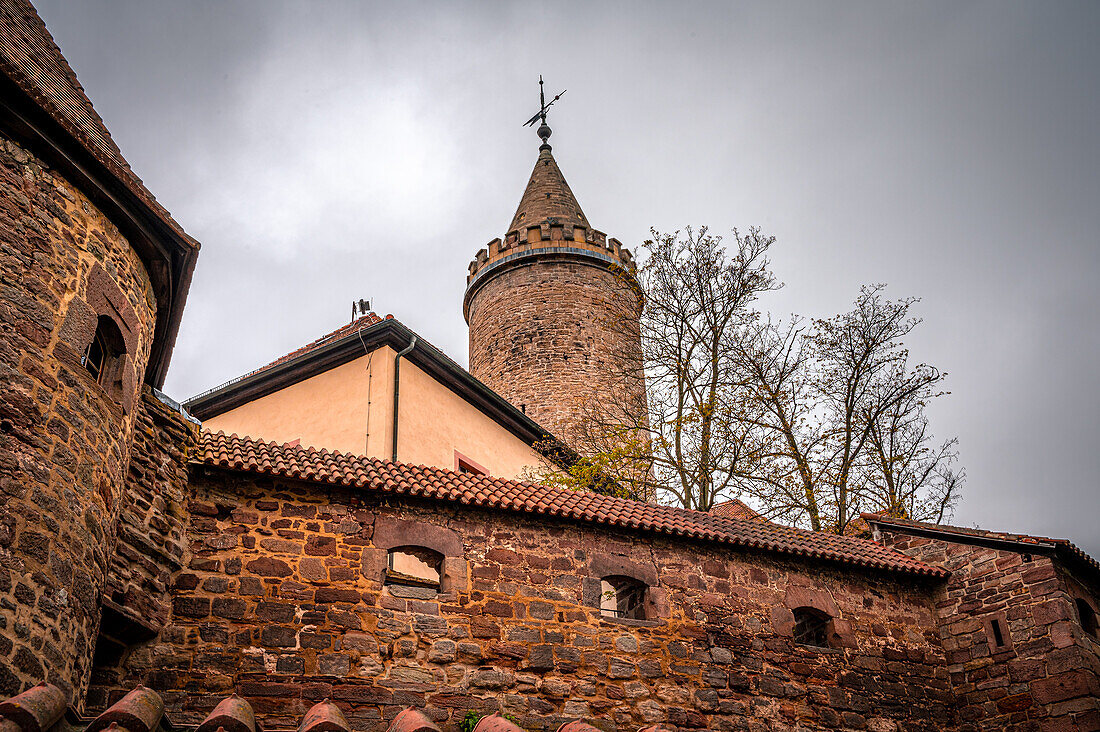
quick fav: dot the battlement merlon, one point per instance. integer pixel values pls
(556, 238)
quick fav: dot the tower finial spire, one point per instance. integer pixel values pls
(544, 130)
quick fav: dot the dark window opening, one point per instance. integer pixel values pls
(466, 469)
(811, 627)
(103, 355)
(622, 597)
(414, 566)
(1087, 617)
(998, 636)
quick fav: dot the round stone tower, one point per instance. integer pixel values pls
(553, 308)
(94, 278)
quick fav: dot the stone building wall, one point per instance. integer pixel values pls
(1041, 671)
(64, 439)
(550, 335)
(282, 601)
(151, 542)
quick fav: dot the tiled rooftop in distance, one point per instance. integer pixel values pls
(736, 509)
(364, 321)
(241, 453)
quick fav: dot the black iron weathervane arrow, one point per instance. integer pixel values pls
(544, 129)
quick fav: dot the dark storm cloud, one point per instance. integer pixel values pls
(325, 152)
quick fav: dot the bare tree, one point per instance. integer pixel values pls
(905, 473)
(682, 432)
(814, 420)
(828, 392)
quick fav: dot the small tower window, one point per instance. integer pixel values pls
(811, 627)
(414, 566)
(998, 634)
(103, 355)
(1087, 616)
(622, 597)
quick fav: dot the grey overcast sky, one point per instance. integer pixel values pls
(323, 152)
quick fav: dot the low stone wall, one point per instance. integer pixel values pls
(283, 602)
(1036, 668)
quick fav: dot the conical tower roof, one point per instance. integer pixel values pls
(548, 197)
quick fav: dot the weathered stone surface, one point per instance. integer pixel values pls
(501, 634)
(65, 438)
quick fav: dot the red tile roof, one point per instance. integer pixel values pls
(1064, 546)
(364, 321)
(736, 509)
(241, 453)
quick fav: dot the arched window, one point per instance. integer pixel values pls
(811, 627)
(103, 357)
(414, 566)
(622, 597)
(1087, 617)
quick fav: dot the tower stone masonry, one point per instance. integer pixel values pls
(93, 275)
(553, 308)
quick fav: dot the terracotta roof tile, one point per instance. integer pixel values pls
(241, 453)
(736, 509)
(1064, 546)
(364, 321)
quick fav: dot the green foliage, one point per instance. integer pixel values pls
(470, 721)
(472, 718)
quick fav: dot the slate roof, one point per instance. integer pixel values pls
(547, 197)
(1066, 548)
(241, 453)
(30, 58)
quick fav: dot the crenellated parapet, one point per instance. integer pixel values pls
(551, 305)
(553, 239)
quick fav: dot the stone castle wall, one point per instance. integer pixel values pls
(551, 335)
(1045, 672)
(151, 542)
(282, 602)
(64, 439)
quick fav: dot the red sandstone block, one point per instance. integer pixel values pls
(1050, 611)
(1064, 686)
(499, 609)
(268, 688)
(326, 595)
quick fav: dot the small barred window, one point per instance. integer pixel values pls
(622, 597)
(1087, 616)
(106, 346)
(811, 627)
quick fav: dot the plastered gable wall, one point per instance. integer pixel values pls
(282, 602)
(330, 410)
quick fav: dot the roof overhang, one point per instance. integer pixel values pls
(169, 255)
(1062, 549)
(356, 344)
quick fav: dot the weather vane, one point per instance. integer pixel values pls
(544, 129)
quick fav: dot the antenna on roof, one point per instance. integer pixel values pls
(358, 308)
(544, 129)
